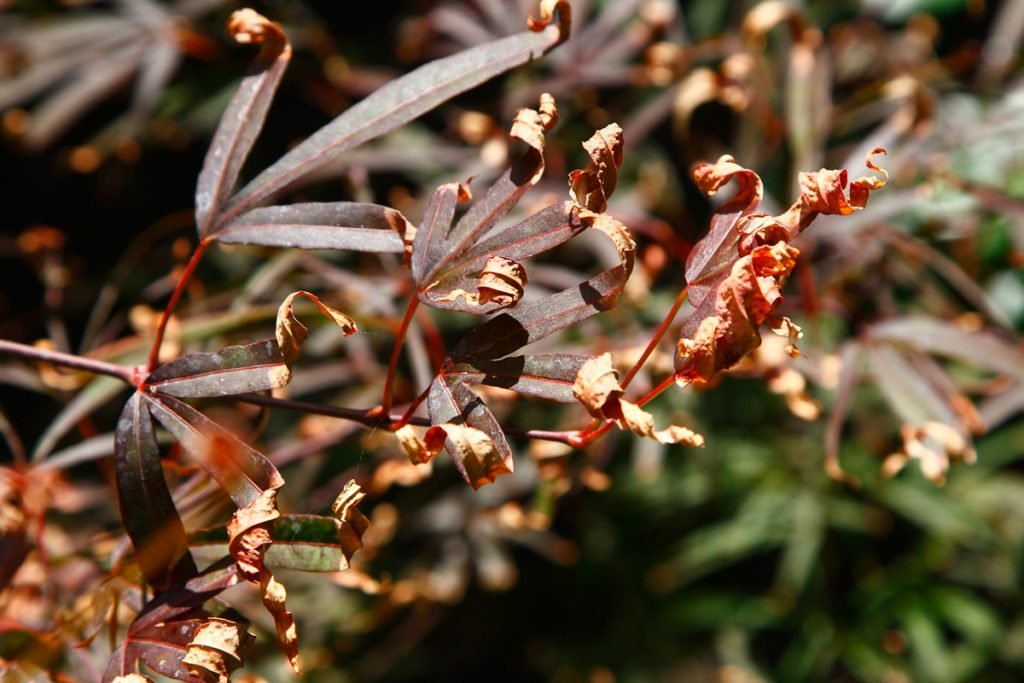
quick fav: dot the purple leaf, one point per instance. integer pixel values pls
(240, 470)
(394, 105)
(186, 600)
(234, 370)
(538, 233)
(242, 122)
(549, 376)
(338, 225)
(534, 320)
(147, 510)
(430, 246)
(452, 402)
(930, 335)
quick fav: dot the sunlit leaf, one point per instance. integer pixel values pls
(243, 119)
(233, 370)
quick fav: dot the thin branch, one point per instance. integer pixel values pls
(389, 380)
(658, 334)
(67, 360)
(384, 421)
(186, 275)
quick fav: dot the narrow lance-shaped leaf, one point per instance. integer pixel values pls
(233, 370)
(147, 509)
(353, 226)
(242, 471)
(242, 122)
(549, 376)
(216, 649)
(399, 102)
(473, 437)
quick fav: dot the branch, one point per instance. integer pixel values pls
(99, 367)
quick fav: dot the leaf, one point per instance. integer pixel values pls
(165, 647)
(743, 302)
(214, 651)
(597, 388)
(291, 333)
(549, 376)
(420, 450)
(534, 320)
(397, 103)
(243, 119)
(250, 533)
(184, 601)
(353, 522)
(591, 187)
(930, 335)
(240, 470)
(146, 506)
(737, 228)
(473, 437)
(233, 370)
(444, 272)
(337, 225)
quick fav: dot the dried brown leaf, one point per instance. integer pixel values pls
(291, 333)
(250, 532)
(597, 388)
(546, 13)
(502, 282)
(215, 650)
(420, 450)
(353, 522)
(591, 187)
(479, 456)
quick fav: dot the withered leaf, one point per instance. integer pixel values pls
(291, 333)
(591, 187)
(597, 388)
(215, 650)
(250, 532)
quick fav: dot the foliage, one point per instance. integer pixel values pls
(484, 309)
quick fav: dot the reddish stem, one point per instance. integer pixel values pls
(404, 420)
(186, 275)
(658, 334)
(385, 401)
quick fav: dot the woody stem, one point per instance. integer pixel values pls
(658, 334)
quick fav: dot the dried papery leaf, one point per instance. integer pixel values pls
(597, 388)
(419, 450)
(744, 301)
(932, 444)
(132, 678)
(291, 333)
(250, 532)
(233, 370)
(502, 282)
(591, 187)
(825, 192)
(353, 522)
(474, 452)
(145, 502)
(399, 102)
(243, 120)
(215, 651)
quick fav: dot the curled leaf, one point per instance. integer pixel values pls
(476, 454)
(597, 388)
(744, 301)
(132, 678)
(215, 650)
(353, 523)
(419, 450)
(546, 13)
(825, 192)
(291, 333)
(502, 282)
(932, 444)
(250, 532)
(591, 187)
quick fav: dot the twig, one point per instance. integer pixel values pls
(99, 367)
